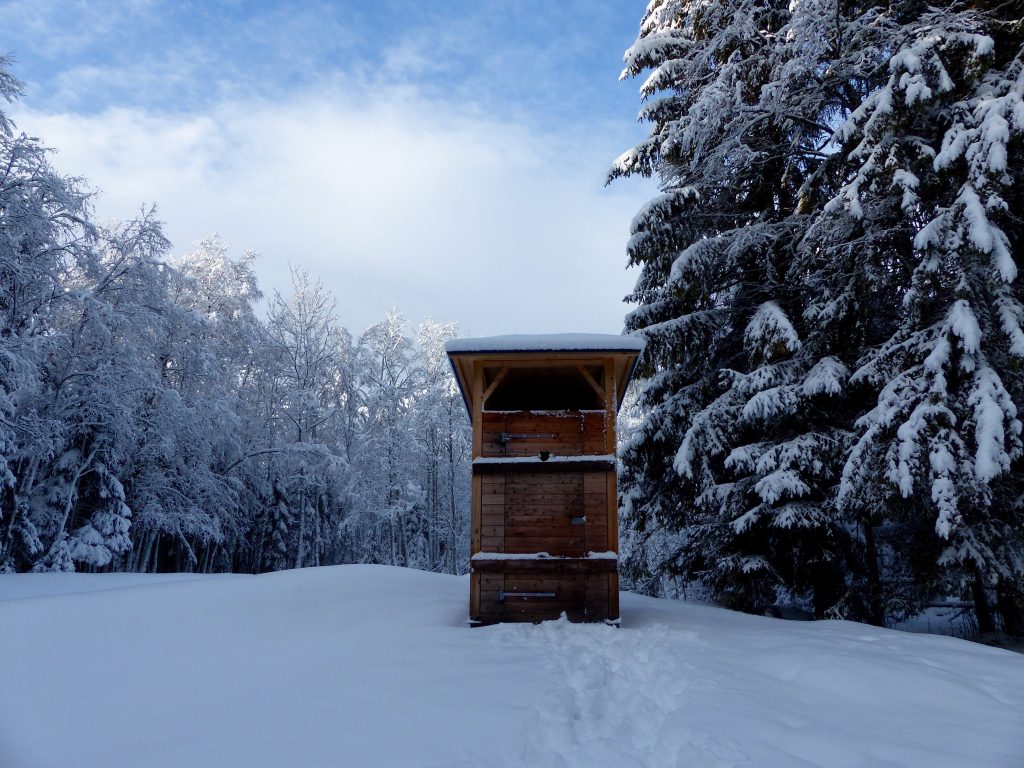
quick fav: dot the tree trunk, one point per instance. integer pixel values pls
(302, 531)
(982, 610)
(145, 552)
(876, 606)
(316, 528)
(1010, 603)
(453, 517)
(73, 490)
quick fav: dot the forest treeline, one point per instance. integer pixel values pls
(151, 421)
(829, 290)
(828, 409)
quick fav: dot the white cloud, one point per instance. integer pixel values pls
(392, 200)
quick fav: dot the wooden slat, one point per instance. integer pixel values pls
(560, 529)
(559, 500)
(532, 616)
(544, 566)
(597, 537)
(588, 448)
(569, 423)
(582, 464)
(555, 548)
(516, 520)
(534, 515)
(545, 480)
(492, 581)
(534, 583)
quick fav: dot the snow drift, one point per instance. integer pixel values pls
(374, 666)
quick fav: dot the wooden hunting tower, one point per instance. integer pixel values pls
(545, 518)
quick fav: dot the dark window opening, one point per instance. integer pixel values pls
(544, 389)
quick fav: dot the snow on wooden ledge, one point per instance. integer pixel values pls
(583, 458)
(548, 342)
(542, 556)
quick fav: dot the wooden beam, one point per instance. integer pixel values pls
(477, 387)
(490, 390)
(590, 380)
(582, 464)
(610, 406)
(542, 359)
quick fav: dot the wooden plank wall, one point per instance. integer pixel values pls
(582, 596)
(532, 512)
(571, 434)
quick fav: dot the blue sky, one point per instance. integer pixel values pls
(413, 154)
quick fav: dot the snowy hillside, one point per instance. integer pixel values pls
(374, 666)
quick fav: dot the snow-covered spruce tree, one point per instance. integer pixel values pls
(935, 159)
(895, 135)
(744, 432)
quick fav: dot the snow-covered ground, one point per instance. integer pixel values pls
(374, 666)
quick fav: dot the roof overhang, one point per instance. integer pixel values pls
(535, 350)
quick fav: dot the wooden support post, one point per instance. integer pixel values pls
(477, 487)
(611, 404)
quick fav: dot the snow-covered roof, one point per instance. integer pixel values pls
(547, 342)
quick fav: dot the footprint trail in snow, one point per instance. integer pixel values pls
(619, 699)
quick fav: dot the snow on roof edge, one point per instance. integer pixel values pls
(547, 342)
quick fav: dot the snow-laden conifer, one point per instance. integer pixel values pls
(934, 459)
(828, 288)
(741, 442)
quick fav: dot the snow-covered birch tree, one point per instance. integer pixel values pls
(150, 421)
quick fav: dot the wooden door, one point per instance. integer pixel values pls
(544, 512)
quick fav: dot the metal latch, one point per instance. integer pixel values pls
(506, 437)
